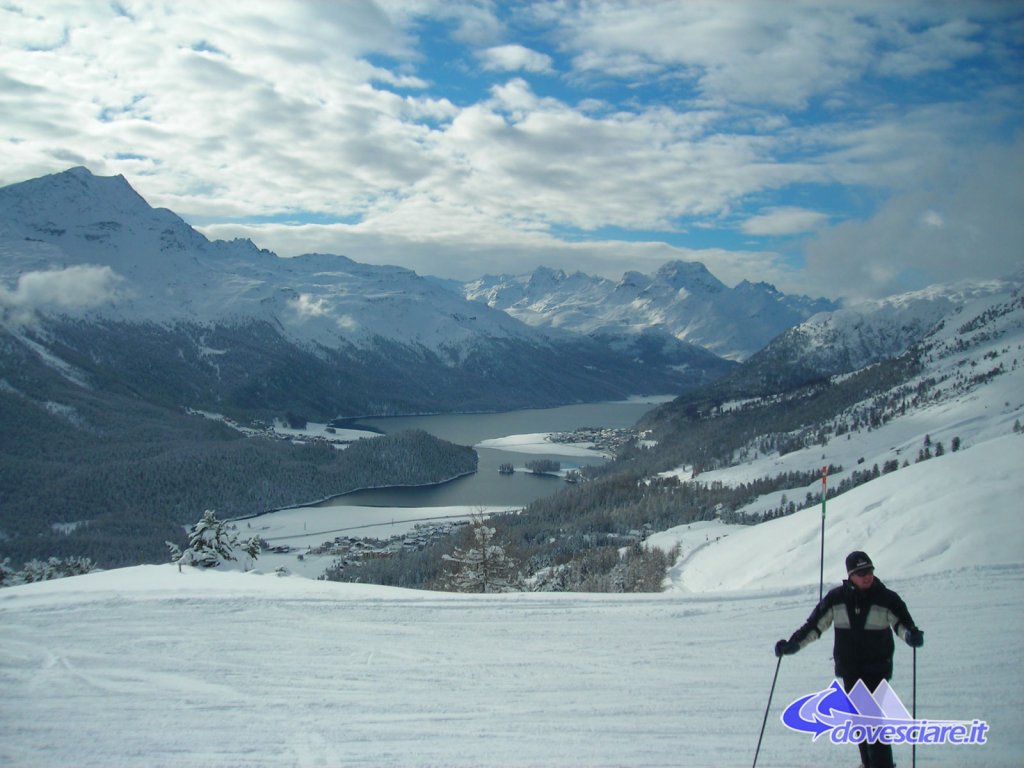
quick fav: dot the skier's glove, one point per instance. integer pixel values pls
(915, 638)
(786, 647)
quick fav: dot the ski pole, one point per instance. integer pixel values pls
(913, 706)
(765, 721)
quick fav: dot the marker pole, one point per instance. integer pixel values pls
(824, 490)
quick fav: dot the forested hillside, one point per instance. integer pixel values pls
(112, 477)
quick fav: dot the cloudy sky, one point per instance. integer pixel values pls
(830, 148)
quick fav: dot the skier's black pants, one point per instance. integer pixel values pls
(871, 755)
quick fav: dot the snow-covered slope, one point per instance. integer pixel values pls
(683, 299)
(954, 447)
(858, 335)
(956, 511)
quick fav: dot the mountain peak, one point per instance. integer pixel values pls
(691, 275)
(75, 195)
(81, 175)
(545, 275)
(746, 286)
(78, 170)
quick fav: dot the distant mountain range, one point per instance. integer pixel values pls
(682, 301)
(90, 273)
(163, 270)
(860, 335)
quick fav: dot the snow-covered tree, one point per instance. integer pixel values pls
(44, 570)
(211, 543)
(252, 547)
(483, 566)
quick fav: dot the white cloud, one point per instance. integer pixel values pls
(907, 243)
(522, 157)
(306, 306)
(676, 115)
(512, 58)
(770, 53)
(275, 107)
(763, 53)
(936, 48)
(783, 221)
(72, 289)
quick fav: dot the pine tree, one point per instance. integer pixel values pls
(253, 547)
(484, 566)
(210, 543)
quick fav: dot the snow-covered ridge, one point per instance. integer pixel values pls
(857, 335)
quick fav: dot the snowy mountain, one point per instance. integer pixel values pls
(118, 282)
(683, 301)
(161, 270)
(859, 335)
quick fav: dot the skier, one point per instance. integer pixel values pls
(865, 613)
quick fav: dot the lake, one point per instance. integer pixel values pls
(487, 487)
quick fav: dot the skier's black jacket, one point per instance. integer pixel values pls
(864, 622)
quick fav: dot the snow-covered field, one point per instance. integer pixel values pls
(538, 442)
